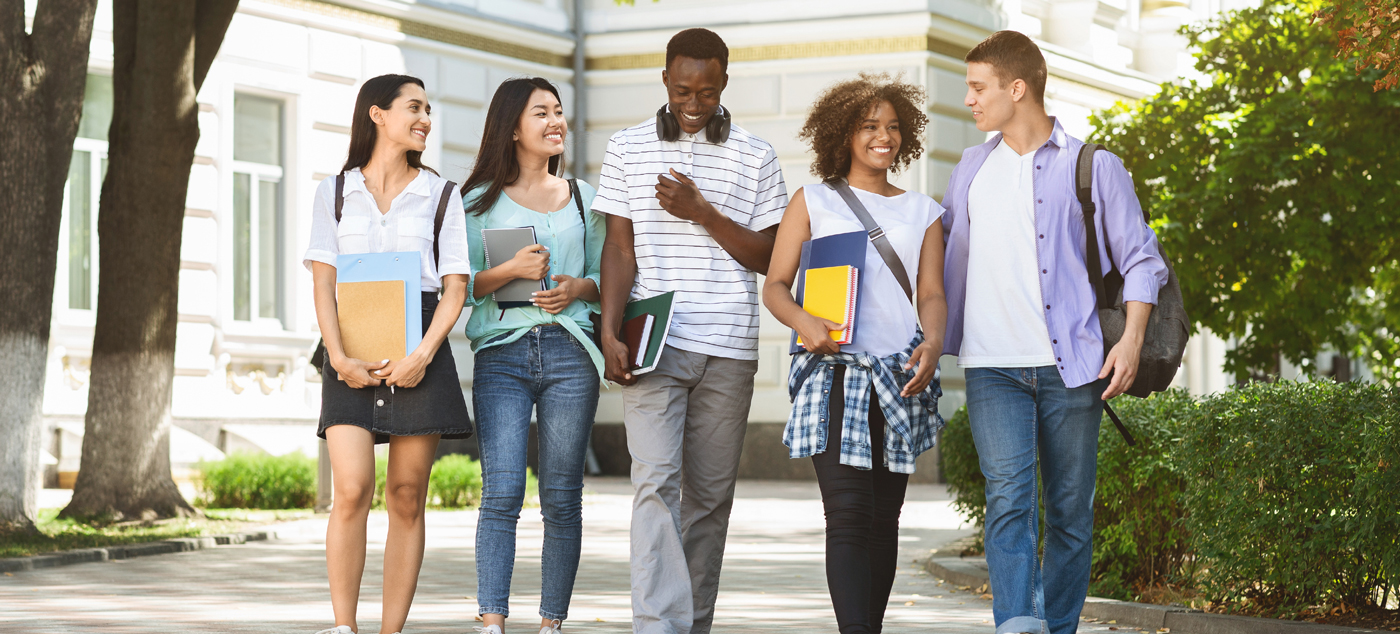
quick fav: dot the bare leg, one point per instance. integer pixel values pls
(352, 468)
(405, 493)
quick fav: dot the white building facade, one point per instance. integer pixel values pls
(274, 120)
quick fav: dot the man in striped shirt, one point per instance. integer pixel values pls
(692, 205)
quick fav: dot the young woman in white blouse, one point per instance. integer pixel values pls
(863, 412)
(386, 200)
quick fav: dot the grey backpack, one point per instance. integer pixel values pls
(1167, 328)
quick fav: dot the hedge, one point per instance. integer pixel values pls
(257, 480)
(1269, 498)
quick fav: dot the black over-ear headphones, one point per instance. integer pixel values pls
(669, 129)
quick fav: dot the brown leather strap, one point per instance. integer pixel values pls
(437, 220)
(339, 195)
(877, 235)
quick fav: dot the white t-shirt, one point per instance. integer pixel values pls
(1004, 325)
(886, 321)
(408, 226)
(716, 302)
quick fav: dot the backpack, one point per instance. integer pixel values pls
(318, 357)
(1168, 327)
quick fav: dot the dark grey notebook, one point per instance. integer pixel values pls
(501, 246)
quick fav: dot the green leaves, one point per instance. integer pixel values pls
(1273, 181)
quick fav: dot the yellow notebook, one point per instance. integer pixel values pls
(371, 317)
(830, 293)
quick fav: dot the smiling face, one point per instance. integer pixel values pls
(406, 122)
(693, 87)
(993, 103)
(542, 128)
(875, 143)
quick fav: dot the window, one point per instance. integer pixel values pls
(85, 173)
(258, 235)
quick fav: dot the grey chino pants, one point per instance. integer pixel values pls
(685, 429)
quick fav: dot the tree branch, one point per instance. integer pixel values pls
(211, 20)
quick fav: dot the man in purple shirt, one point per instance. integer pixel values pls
(1023, 324)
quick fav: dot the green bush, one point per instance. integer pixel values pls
(455, 482)
(1293, 494)
(958, 458)
(1138, 537)
(247, 479)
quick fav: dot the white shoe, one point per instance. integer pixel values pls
(552, 628)
(489, 629)
(339, 629)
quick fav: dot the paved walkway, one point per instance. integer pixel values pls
(773, 579)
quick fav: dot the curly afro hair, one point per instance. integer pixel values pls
(838, 112)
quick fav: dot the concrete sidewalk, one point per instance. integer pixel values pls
(774, 576)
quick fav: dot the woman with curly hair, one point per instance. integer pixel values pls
(881, 390)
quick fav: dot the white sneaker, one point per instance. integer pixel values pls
(552, 628)
(339, 629)
(489, 629)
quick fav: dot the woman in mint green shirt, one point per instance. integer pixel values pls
(538, 358)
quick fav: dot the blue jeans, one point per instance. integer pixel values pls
(1023, 418)
(549, 371)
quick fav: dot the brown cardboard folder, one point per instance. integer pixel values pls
(371, 317)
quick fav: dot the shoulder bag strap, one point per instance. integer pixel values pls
(339, 195)
(1084, 189)
(437, 220)
(578, 204)
(877, 235)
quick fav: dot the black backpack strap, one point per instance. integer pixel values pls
(877, 235)
(1112, 415)
(339, 195)
(437, 220)
(1084, 189)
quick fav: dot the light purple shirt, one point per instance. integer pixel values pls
(1070, 309)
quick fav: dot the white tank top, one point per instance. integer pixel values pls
(886, 321)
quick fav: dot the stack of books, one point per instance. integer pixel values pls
(828, 283)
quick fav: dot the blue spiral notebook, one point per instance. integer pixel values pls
(842, 249)
(402, 266)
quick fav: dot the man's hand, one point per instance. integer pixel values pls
(555, 300)
(616, 365)
(924, 362)
(1122, 363)
(681, 198)
(815, 333)
(356, 373)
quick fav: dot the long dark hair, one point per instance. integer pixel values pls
(496, 166)
(380, 91)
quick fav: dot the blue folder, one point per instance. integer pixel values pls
(842, 249)
(388, 267)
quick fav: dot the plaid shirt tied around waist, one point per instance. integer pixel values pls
(912, 424)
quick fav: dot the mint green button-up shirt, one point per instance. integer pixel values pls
(563, 233)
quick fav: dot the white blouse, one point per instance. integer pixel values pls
(887, 320)
(408, 225)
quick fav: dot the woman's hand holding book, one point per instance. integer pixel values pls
(816, 334)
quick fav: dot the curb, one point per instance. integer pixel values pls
(973, 573)
(128, 551)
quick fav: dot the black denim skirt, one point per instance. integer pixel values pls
(434, 406)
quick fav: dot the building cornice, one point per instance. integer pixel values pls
(456, 30)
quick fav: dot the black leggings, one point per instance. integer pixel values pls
(862, 521)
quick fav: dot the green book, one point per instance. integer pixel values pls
(661, 308)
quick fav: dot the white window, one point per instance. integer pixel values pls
(78, 244)
(258, 235)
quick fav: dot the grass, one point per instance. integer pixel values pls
(58, 534)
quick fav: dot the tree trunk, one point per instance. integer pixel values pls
(163, 49)
(42, 77)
